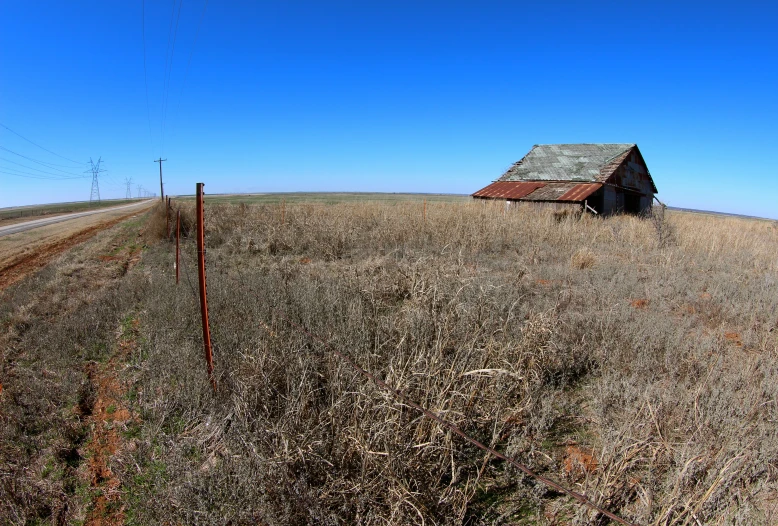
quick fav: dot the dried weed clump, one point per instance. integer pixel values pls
(583, 258)
(521, 328)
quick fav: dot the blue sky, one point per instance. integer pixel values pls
(385, 96)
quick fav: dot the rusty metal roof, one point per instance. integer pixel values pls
(580, 192)
(567, 162)
(551, 191)
(537, 191)
(508, 190)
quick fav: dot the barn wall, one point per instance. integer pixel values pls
(632, 173)
(612, 201)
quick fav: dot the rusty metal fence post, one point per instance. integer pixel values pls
(201, 280)
(167, 218)
(178, 243)
(424, 213)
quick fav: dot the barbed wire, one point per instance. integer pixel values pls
(403, 397)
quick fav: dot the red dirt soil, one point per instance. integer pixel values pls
(24, 265)
(579, 461)
(107, 418)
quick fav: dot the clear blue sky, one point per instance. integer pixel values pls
(387, 96)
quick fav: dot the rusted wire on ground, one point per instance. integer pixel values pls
(181, 261)
(451, 427)
(186, 272)
(582, 499)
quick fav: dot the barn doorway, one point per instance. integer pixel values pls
(631, 203)
(596, 201)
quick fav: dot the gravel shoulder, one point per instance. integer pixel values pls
(24, 252)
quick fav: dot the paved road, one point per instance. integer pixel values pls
(35, 223)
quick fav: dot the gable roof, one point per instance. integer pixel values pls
(568, 162)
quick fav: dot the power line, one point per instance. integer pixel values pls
(42, 163)
(169, 72)
(164, 75)
(189, 61)
(145, 76)
(38, 145)
(142, 192)
(112, 180)
(36, 169)
(35, 176)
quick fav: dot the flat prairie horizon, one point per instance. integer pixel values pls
(618, 357)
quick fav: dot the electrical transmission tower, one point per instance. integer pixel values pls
(95, 169)
(128, 181)
(139, 187)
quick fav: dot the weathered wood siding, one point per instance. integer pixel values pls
(632, 174)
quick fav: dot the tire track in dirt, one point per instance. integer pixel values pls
(20, 267)
(107, 417)
(75, 469)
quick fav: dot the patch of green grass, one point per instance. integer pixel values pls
(97, 352)
(175, 425)
(53, 470)
(193, 453)
(133, 431)
(132, 394)
(489, 504)
(138, 490)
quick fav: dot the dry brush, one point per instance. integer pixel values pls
(600, 352)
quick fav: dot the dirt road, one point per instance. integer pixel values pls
(25, 251)
(36, 223)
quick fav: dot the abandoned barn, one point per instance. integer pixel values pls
(601, 178)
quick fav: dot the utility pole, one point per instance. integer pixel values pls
(95, 169)
(161, 190)
(128, 181)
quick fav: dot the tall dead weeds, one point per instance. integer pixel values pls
(450, 311)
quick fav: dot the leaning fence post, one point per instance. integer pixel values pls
(178, 245)
(167, 217)
(201, 280)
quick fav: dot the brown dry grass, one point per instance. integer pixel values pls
(521, 328)
(23, 253)
(61, 412)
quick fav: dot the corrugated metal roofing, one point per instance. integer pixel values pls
(550, 192)
(508, 190)
(565, 162)
(537, 191)
(580, 192)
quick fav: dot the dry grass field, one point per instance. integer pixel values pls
(634, 360)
